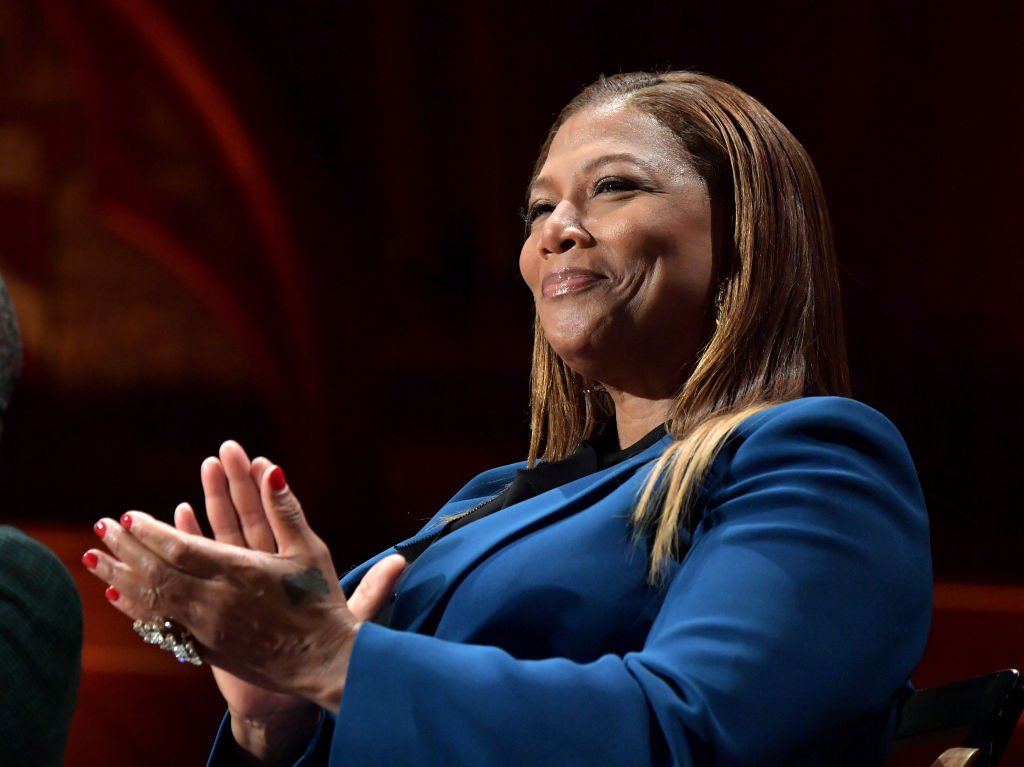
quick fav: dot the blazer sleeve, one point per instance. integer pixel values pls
(788, 629)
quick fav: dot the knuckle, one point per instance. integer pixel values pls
(150, 599)
(155, 582)
(193, 615)
(175, 550)
(150, 570)
(291, 509)
(320, 550)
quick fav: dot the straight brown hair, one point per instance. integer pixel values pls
(778, 331)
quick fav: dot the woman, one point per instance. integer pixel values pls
(704, 561)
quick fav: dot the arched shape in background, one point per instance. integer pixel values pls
(261, 299)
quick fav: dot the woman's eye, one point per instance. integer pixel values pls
(615, 184)
(536, 210)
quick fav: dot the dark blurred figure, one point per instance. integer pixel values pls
(10, 349)
(40, 620)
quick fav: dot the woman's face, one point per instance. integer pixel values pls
(619, 251)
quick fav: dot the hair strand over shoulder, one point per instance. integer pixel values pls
(778, 334)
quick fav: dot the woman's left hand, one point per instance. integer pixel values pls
(278, 620)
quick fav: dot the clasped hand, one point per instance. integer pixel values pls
(261, 599)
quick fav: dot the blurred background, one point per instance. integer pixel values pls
(295, 224)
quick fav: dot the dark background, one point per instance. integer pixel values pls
(397, 140)
(296, 224)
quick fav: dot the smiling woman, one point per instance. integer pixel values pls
(619, 259)
(687, 568)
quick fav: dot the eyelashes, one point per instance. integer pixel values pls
(607, 185)
(615, 184)
(531, 213)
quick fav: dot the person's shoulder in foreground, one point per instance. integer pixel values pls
(40, 651)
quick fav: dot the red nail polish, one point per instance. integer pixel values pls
(277, 480)
(90, 560)
(112, 594)
(100, 529)
(126, 521)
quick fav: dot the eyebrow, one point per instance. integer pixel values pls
(592, 164)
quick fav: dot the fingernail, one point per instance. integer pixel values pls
(112, 594)
(90, 560)
(277, 480)
(100, 528)
(126, 521)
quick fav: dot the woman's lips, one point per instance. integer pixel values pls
(569, 281)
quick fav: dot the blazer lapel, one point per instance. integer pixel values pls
(443, 565)
(478, 490)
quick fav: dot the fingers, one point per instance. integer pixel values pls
(376, 587)
(220, 510)
(258, 469)
(113, 573)
(245, 497)
(233, 503)
(185, 519)
(220, 592)
(145, 543)
(284, 513)
(141, 583)
(134, 595)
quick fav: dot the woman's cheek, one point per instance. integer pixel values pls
(529, 268)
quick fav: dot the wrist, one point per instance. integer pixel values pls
(277, 738)
(330, 685)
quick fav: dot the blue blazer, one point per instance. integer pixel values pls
(785, 635)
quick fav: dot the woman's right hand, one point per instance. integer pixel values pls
(234, 508)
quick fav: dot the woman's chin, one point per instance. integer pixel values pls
(581, 355)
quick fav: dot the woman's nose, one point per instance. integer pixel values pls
(563, 230)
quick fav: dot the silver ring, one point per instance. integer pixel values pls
(168, 635)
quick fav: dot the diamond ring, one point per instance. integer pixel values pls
(168, 635)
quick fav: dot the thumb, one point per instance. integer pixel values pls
(284, 512)
(376, 587)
